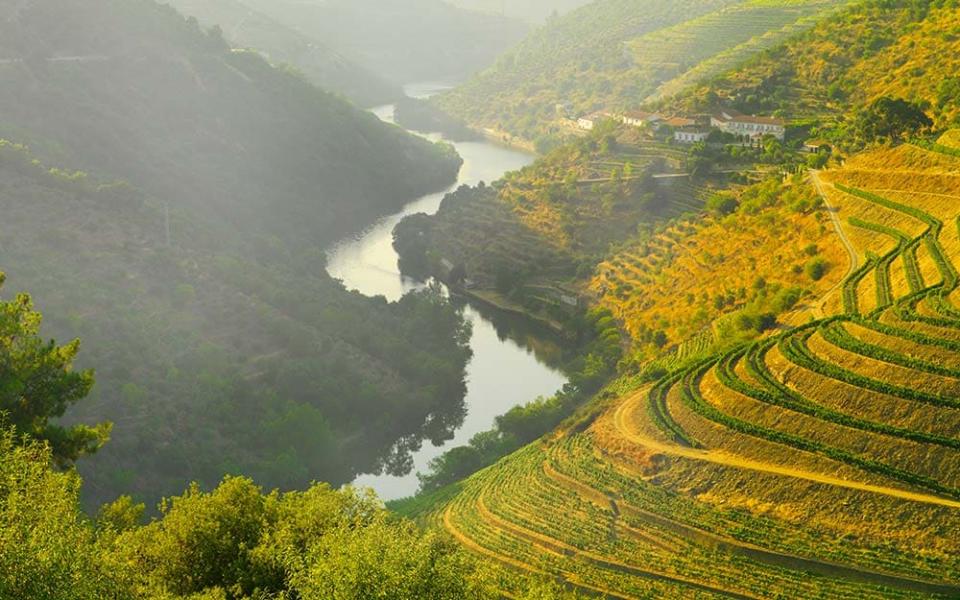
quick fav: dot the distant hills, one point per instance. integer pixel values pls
(904, 50)
(402, 41)
(535, 11)
(245, 27)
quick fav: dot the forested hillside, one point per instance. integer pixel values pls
(244, 27)
(617, 54)
(188, 252)
(131, 88)
(403, 41)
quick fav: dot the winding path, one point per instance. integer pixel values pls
(624, 421)
(854, 258)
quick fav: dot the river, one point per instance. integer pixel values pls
(513, 362)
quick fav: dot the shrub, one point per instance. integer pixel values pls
(816, 268)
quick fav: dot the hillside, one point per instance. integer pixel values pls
(535, 11)
(209, 362)
(132, 89)
(618, 54)
(819, 461)
(874, 50)
(171, 206)
(244, 27)
(403, 41)
(549, 224)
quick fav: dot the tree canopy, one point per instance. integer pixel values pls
(38, 383)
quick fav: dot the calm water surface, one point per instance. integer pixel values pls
(511, 359)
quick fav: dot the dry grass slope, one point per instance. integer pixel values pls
(822, 461)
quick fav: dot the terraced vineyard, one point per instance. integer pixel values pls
(822, 461)
(719, 41)
(681, 279)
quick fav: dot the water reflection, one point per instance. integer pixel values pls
(513, 360)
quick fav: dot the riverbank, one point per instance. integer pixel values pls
(515, 360)
(498, 301)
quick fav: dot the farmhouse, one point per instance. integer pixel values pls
(639, 118)
(588, 122)
(750, 126)
(691, 135)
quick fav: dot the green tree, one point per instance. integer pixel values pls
(48, 550)
(891, 119)
(816, 268)
(38, 383)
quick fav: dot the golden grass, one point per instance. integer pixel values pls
(648, 285)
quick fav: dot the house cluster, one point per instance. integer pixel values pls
(693, 129)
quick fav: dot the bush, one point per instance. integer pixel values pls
(816, 268)
(722, 204)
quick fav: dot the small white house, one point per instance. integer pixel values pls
(588, 122)
(690, 136)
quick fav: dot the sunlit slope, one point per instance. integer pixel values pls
(696, 50)
(898, 49)
(614, 54)
(822, 461)
(681, 278)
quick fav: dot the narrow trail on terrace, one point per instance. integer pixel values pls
(750, 551)
(517, 564)
(624, 423)
(847, 244)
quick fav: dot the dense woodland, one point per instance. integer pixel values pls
(234, 542)
(225, 347)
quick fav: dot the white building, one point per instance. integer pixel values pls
(690, 135)
(747, 125)
(588, 122)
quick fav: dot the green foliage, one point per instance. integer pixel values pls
(816, 268)
(225, 348)
(38, 383)
(232, 543)
(891, 120)
(722, 204)
(48, 550)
